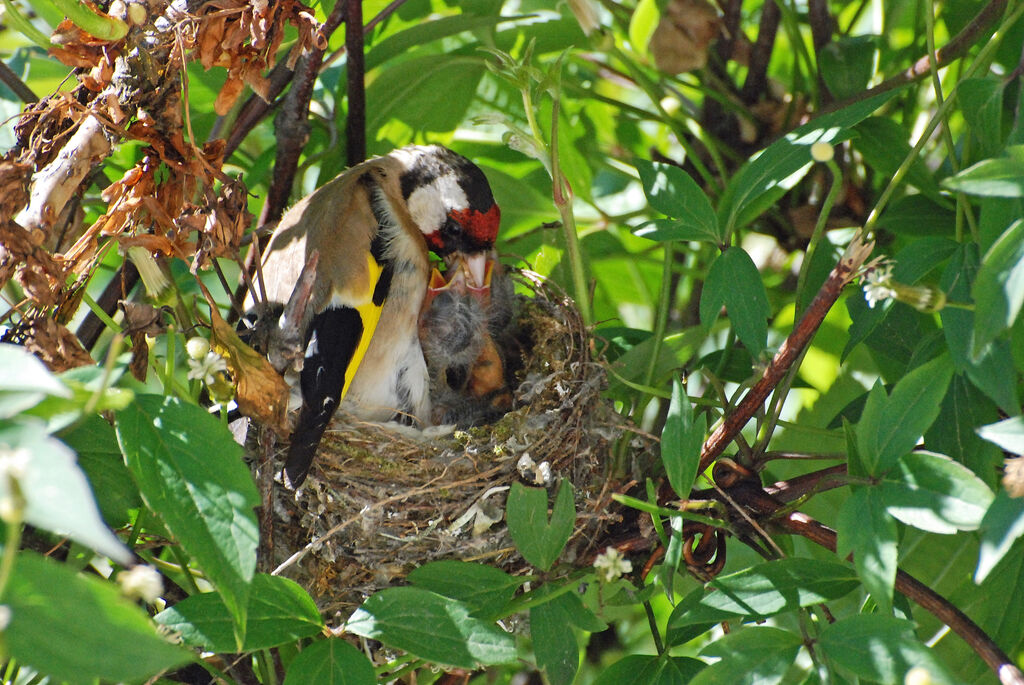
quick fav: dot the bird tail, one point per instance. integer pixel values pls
(309, 429)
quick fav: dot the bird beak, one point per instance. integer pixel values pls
(464, 273)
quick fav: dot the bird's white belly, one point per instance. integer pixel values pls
(390, 381)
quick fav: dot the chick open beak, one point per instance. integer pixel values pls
(464, 273)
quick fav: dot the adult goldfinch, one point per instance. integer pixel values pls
(373, 227)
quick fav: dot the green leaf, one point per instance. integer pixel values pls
(95, 442)
(767, 589)
(963, 409)
(57, 493)
(988, 372)
(780, 166)
(190, 472)
(642, 24)
(681, 441)
(999, 287)
(673, 554)
(865, 529)
(734, 281)
(890, 426)
(430, 93)
(1002, 524)
(879, 648)
(934, 493)
(78, 628)
(330, 662)
(431, 627)
(554, 642)
(538, 540)
(24, 381)
(279, 611)
(981, 101)
(671, 191)
(484, 589)
(750, 656)
(995, 177)
(640, 669)
(847, 64)
(400, 43)
(1008, 434)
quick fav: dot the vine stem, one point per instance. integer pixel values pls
(925, 597)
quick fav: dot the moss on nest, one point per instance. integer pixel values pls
(382, 500)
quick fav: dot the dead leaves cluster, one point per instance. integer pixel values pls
(245, 36)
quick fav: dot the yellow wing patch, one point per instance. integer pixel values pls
(369, 314)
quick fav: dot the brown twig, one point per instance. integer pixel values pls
(924, 596)
(789, 352)
(120, 287)
(355, 123)
(761, 53)
(20, 88)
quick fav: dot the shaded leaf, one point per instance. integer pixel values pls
(484, 589)
(734, 281)
(95, 442)
(891, 425)
(880, 648)
(279, 611)
(999, 287)
(981, 101)
(865, 529)
(431, 627)
(681, 441)
(640, 669)
(1001, 526)
(750, 656)
(79, 629)
(330, 662)
(554, 642)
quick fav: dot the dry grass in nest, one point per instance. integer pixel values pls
(381, 502)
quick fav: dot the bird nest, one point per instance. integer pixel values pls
(382, 500)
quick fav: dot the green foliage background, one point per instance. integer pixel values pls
(672, 218)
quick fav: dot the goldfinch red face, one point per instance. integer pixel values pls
(449, 199)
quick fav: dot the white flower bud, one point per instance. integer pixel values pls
(141, 582)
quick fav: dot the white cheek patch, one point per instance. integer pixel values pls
(430, 204)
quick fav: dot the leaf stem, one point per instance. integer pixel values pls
(101, 26)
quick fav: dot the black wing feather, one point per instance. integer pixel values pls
(322, 380)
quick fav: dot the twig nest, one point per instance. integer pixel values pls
(384, 499)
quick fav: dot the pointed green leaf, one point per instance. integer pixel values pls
(1008, 434)
(95, 442)
(996, 177)
(734, 281)
(892, 425)
(681, 441)
(865, 529)
(671, 191)
(431, 627)
(847, 64)
(1001, 526)
(999, 287)
(190, 471)
(330, 662)
(80, 629)
(640, 669)
(981, 101)
(538, 540)
(934, 493)
(279, 611)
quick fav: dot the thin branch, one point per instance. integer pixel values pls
(789, 352)
(355, 123)
(20, 88)
(956, 48)
(761, 53)
(924, 596)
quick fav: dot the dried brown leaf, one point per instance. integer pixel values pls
(55, 345)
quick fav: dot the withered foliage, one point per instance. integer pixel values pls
(176, 201)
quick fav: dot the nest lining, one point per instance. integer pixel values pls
(381, 500)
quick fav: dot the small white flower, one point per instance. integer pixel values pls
(5, 617)
(611, 565)
(207, 367)
(197, 347)
(141, 582)
(879, 285)
(918, 675)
